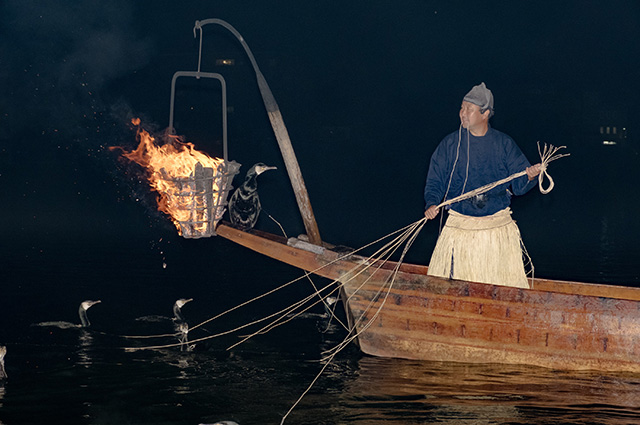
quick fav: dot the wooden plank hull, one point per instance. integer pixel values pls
(407, 314)
(438, 319)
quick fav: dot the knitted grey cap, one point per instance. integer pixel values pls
(480, 95)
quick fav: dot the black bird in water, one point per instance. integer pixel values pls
(244, 205)
(181, 324)
(177, 309)
(3, 352)
(82, 312)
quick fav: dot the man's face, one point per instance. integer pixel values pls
(470, 116)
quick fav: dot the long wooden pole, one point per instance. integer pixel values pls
(282, 135)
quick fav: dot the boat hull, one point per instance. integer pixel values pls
(429, 318)
(405, 313)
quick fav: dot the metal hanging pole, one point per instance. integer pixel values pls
(282, 136)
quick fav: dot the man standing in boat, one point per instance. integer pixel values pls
(480, 242)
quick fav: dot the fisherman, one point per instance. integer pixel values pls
(480, 242)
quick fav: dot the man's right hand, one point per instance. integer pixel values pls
(431, 212)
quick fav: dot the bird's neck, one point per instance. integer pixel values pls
(250, 184)
(178, 314)
(84, 319)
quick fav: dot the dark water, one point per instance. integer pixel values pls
(84, 377)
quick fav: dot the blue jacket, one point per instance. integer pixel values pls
(492, 157)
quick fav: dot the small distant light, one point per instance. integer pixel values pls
(608, 142)
(225, 62)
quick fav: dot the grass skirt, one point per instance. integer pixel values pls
(480, 249)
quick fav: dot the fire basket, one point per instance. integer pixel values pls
(198, 202)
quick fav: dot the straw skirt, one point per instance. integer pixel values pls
(480, 249)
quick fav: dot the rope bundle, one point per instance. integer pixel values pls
(548, 154)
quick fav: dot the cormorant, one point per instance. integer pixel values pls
(3, 352)
(181, 324)
(244, 205)
(223, 423)
(328, 303)
(82, 312)
(177, 312)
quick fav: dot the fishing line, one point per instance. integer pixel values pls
(327, 306)
(299, 278)
(283, 286)
(281, 320)
(411, 237)
(386, 250)
(348, 339)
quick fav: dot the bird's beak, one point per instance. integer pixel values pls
(265, 168)
(87, 304)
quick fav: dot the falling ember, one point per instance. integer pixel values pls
(192, 186)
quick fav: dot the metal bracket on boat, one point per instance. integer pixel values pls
(300, 244)
(325, 253)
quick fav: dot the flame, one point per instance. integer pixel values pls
(192, 186)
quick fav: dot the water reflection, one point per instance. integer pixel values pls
(1, 397)
(85, 346)
(397, 391)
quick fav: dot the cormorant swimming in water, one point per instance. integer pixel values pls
(82, 312)
(177, 312)
(244, 205)
(181, 324)
(3, 352)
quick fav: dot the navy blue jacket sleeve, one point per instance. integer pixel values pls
(437, 177)
(516, 162)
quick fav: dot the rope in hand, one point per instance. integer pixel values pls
(548, 154)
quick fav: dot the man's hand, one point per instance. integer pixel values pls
(533, 171)
(431, 212)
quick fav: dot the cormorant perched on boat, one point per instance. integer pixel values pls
(244, 205)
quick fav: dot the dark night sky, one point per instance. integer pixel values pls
(367, 90)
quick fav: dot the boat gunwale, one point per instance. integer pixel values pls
(272, 241)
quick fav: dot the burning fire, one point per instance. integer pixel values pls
(192, 186)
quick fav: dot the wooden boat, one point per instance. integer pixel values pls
(556, 324)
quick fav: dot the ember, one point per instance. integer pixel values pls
(192, 186)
